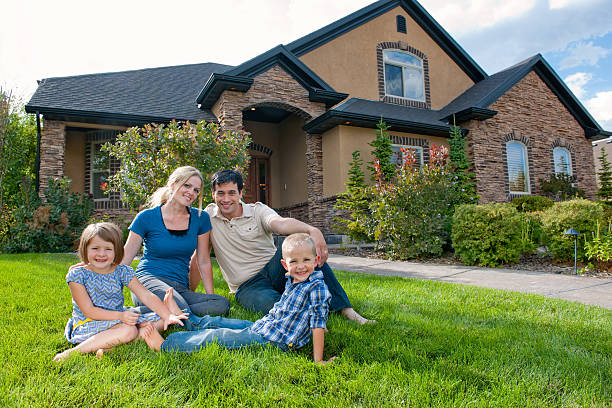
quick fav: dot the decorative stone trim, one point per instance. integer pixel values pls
(314, 170)
(413, 141)
(261, 148)
(403, 46)
(52, 152)
(516, 136)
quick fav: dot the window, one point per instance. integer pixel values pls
(518, 173)
(563, 161)
(100, 172)
(397, 154)
(403, 75)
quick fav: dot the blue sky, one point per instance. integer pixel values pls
(40, 38)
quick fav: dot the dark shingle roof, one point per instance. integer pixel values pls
(163, 93)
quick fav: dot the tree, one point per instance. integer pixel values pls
(605, 177)
(149, 154)
(17, 147)
(382, 153)
(463, 179)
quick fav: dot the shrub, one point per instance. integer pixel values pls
(531, 203)
(149, 154)
(487, 235)
(580, 214)
(52, 225)
(560, 187)
(599, 248)
(413, 214)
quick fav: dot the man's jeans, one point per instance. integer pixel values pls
(228, 333)
(263, 290)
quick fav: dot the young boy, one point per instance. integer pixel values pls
(301, 310)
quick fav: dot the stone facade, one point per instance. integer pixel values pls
(52, 151)
(531, 113)
(325, 211)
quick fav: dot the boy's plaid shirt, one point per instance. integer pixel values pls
(302, 307)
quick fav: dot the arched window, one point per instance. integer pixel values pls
(403, 75)
(518, 170)
(563, 161)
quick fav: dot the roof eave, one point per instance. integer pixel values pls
(330, 98)
(334, 118)
(469, 114)
(217, 83)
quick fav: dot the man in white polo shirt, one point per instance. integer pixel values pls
(242, 236)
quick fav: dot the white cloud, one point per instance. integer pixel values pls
(583, 53)
(577, 81)
(601, 108)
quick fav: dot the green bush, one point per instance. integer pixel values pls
(580, 214)
(531, 203)
(561, 187)
(531, 230)
(50, 225)
(487, 235)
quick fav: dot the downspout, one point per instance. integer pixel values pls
(37, 163)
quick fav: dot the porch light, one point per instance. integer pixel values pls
(347, 123)
(575, 233)
(252, 108)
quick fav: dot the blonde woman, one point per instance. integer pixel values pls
(171, 230)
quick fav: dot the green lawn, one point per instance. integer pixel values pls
(435, 344)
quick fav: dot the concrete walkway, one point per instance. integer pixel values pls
(588, 290)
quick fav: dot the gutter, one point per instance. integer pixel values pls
(37, 163)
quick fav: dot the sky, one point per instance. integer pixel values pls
(41, 39)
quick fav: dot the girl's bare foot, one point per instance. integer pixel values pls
(152, 337)
(171, 303)
(351, 314)
(59, 357)
(101, 352)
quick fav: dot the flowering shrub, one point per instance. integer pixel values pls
(149, 154)
(488, 234)
(580, 214)
(599, 248)
(52, 225)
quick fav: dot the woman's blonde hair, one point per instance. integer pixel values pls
(107, 231)
(177, 179)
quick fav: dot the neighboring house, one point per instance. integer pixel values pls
(309, 104)
(606, 144)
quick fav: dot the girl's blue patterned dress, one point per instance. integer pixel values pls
(105, 292)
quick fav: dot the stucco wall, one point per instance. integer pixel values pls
(348, 63)
(339, 144)
(267, 134)
(292, 152)
(74, 168)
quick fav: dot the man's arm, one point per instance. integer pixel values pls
(287, 226)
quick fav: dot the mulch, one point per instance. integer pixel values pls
(528, 262)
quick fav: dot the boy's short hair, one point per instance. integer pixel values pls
(108, 232)
(226, 176)
(296, 240)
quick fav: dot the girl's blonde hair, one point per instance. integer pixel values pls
(177, 178)
(108, 232)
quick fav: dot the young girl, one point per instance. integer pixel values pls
(99, 320)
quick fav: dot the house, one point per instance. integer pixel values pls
(606, 145)
(309, 104)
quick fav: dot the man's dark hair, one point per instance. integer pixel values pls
(226, 176)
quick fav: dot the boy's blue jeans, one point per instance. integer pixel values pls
(228, 333)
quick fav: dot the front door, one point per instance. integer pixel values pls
(257, 186)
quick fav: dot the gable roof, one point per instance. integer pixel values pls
(127, 97)
(478, 98)
(240, 78)
(320, 37)
(366, 113)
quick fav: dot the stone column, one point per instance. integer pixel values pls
(314, 171)
(52, 151)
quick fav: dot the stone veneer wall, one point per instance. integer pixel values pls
(325, 210)
(277, 88)
(52, 151)
(529, 112)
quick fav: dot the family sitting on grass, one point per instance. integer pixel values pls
(177, 240)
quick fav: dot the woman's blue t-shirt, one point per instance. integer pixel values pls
(167, 255)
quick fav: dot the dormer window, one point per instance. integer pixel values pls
(403, 75)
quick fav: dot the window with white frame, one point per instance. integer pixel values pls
(518, 169)
(562, 160)
(100, 171)
(403, 75)
(398, 159)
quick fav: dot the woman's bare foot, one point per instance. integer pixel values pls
(101, 352)
(171, 303)
(151, 336)
(351, 314)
